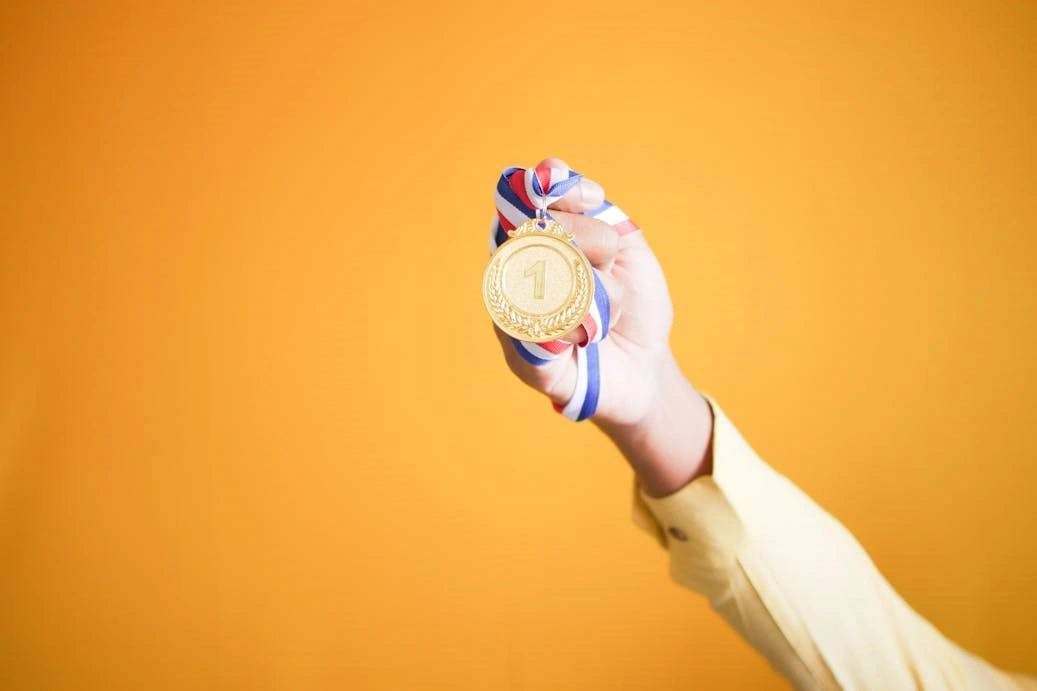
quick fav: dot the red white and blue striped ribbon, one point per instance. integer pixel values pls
(521, 193)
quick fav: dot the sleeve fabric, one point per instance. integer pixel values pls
(795, 584)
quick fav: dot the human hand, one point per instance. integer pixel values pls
(641, 310)
(659, 422)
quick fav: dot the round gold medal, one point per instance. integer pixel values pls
(538, 285)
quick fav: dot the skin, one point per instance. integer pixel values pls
(660, 423)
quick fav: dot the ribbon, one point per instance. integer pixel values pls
(521, 194)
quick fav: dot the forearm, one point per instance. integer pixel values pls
(783, 572)
(671, 445)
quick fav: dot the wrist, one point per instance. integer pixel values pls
(671, 444)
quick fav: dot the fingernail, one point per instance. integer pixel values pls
(591, 194)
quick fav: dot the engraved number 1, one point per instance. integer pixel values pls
(537, 271)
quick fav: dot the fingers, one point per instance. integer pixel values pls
(598, 240)
(584, 196)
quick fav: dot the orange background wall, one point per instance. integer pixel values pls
(254, 429)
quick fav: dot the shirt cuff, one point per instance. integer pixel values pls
(700, 515)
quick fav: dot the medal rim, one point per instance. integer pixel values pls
(553, 231)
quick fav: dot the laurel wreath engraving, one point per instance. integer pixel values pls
(535, 328)
(541, 227)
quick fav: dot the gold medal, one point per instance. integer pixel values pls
(538, 285)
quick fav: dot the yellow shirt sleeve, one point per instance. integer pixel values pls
(794, 583)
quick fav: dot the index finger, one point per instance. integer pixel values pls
(586, 195)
